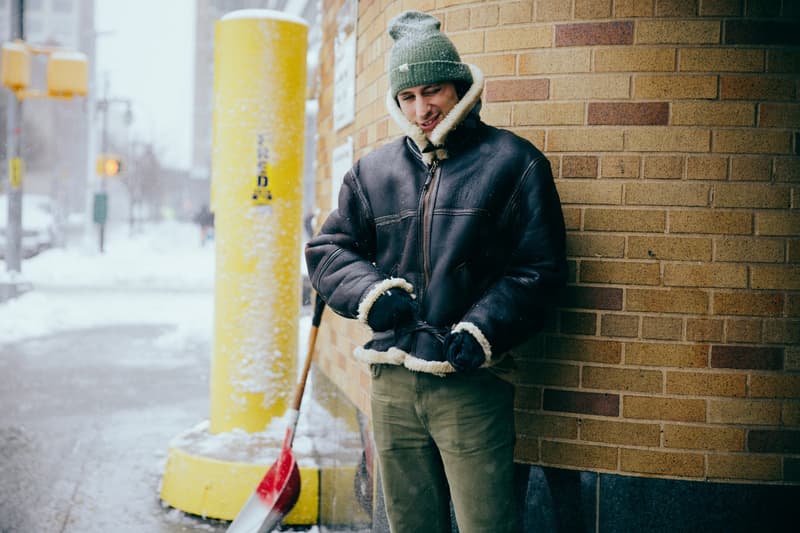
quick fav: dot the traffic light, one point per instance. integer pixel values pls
(112, 167)
(109, 165)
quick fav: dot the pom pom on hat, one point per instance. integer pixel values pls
(422, 55)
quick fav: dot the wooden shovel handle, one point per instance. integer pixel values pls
(316, 319)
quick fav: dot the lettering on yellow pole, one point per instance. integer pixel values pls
(262, 194)
(15, 171)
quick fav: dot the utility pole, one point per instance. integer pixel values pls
(14, 158)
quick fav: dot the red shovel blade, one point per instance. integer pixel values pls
(272, 500)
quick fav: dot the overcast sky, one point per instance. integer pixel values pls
(146, 48)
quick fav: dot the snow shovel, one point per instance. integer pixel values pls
(280, 487)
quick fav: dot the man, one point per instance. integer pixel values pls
(449, 244)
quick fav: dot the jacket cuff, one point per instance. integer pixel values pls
(475, 331)
(376, 291)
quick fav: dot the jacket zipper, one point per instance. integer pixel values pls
(433, 174)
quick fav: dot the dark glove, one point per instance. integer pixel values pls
(463, 351)
(393, 308)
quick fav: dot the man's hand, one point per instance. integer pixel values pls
(393, 308)
(463, 351)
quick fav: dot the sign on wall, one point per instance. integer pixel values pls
(341, 163)
(344, 89)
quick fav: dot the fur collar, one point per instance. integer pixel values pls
(440, 132)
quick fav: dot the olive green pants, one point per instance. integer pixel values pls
(439, 438)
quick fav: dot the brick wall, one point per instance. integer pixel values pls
(673, 128)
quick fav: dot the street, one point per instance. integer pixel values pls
(87, 419)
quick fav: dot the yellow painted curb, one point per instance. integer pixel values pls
(214, 488)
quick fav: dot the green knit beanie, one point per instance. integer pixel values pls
(422, 55)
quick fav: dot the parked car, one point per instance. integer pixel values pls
(38, 224)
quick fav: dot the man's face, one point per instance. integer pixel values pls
(427, 105)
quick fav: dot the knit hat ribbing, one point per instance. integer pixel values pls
(422, 55)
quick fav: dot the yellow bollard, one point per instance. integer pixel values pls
(256, 196)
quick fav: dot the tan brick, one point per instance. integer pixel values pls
(704, 438)
(652, 408)
(751, 142)
(676, 8)
(585, 245)
(572, 218)
(717, 8)
(516, 13)
(792, 358)
(706, 384)
(553, 10)
(662, 463)
(775, 386)
(516, 89)
(612, 325)
(630, 433)
(484, 16)
(667, 300)
(744, 412)
(743, 330)
(782, 331)
(743, 87)
(554, 374)
(621, 379)
(584, 140)
(704, 330)
(555, 61)
(757, 250)
(518, 38)
(499, 114)
(791, 414)
(590, 87)
(721, 60)
(620, 166)
(708, 222)
(662, 328)
(633, 8)
(624, 220)
(663, 167)
(471, 42)
(677, 193)
(527, 450)
(778, 115)
(666, 355)
(579, 166)
(713, 114)
(787, 169)
(574, 349)
(744, 467)
(674, 87)
(456, 20)
(620, 272)
(592, 9)
(580, 455)
(549, 113)
(494, 64)
(750, 168)
(589, 192)
(667, 139)
(677, 31)
(595, 33)
(669, 248)
(707, 275)
(634, 59)
(706, 167)
(538, 425)
(775, 277)
(783, 224)
(783, 60)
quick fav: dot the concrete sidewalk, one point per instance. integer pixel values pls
(85, 427)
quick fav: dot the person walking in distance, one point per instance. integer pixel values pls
(448, 243)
